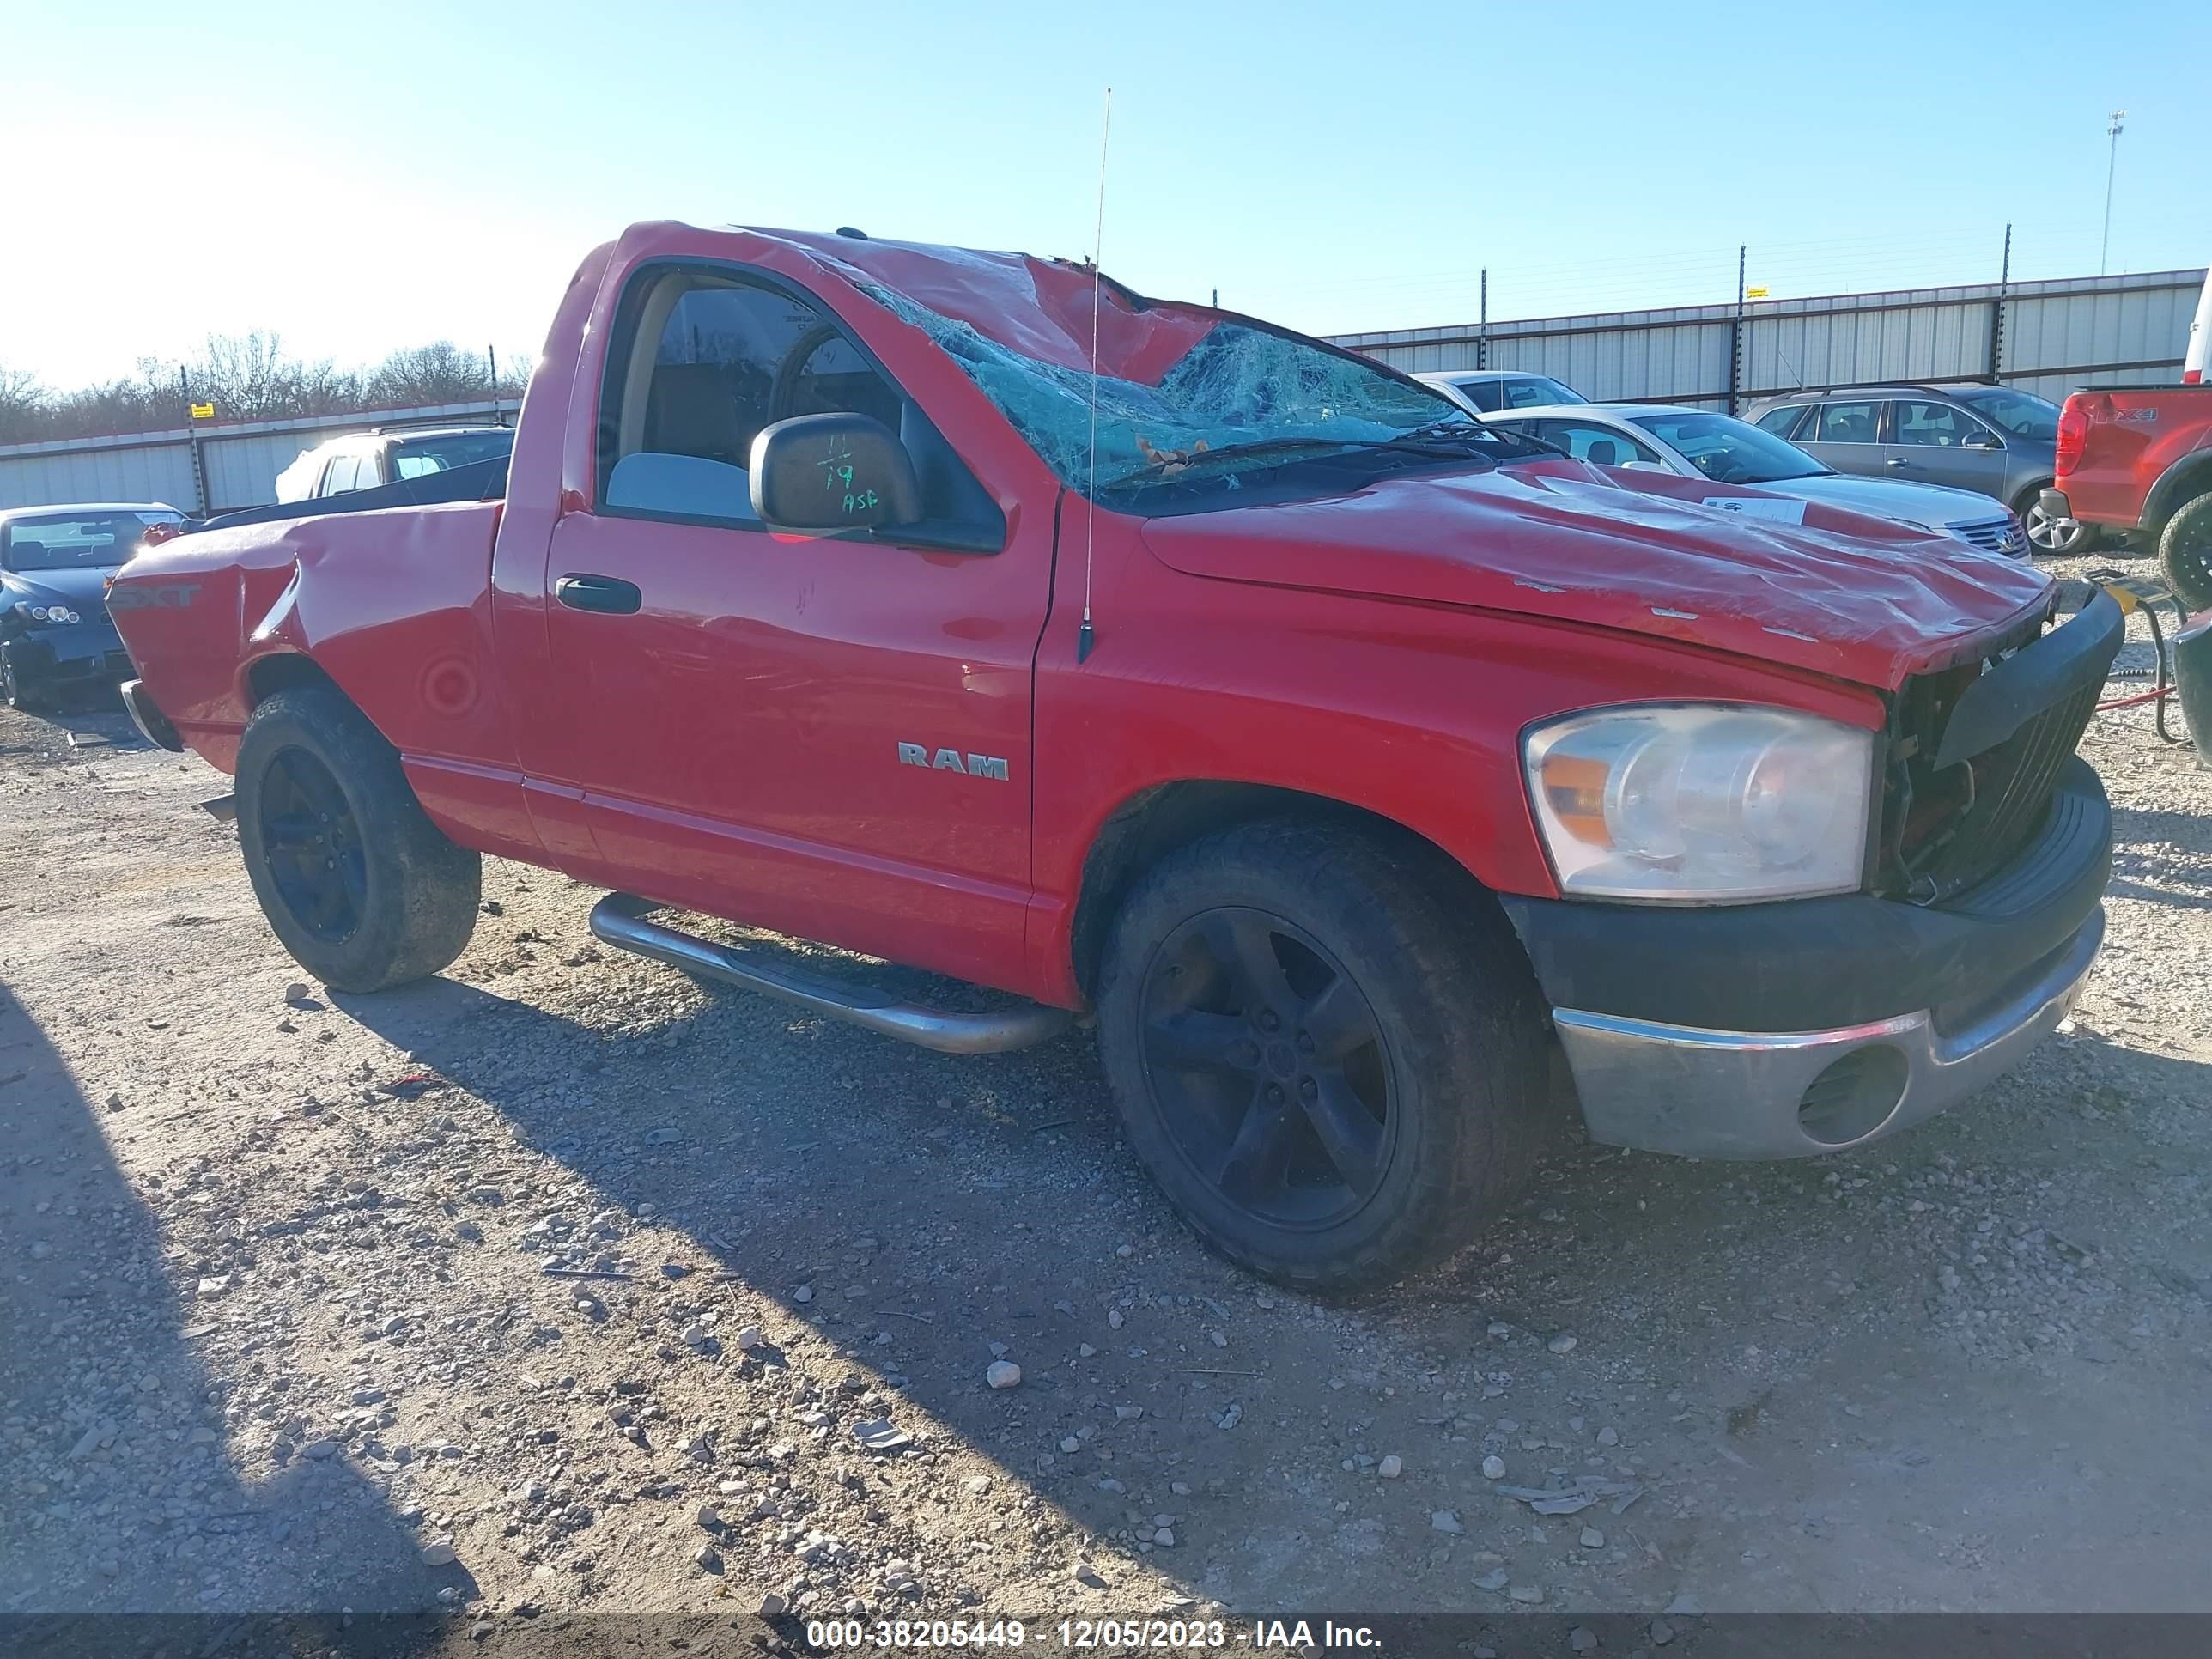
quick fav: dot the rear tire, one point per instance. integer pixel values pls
(1327, 1046)
(2184, 553)
(361, 887)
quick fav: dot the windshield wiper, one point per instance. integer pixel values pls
(1421, 441)
(1185, 460)
(1503, 438)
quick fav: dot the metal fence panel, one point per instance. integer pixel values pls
(2098, 334)
(2045, 337)
(58, 473)
(240, 461)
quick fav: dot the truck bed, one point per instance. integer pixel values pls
(480, 481)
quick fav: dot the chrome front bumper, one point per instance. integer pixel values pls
(1766, 1095)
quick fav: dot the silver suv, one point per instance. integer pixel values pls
(1988, 439)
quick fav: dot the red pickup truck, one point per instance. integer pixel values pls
(1349, 762)
(2139, 458)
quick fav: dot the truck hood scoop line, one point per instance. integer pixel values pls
(1859, 599)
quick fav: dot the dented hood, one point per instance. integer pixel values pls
(1861, 600)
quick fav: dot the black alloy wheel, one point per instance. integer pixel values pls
(1268, 1068)
(311, 846)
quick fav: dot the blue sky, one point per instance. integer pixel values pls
(374, 177)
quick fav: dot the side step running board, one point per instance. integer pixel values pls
(619, 919)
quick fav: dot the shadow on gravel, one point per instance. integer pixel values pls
(929, 1206)
(116, 1492)
(920, 1210)
(86, 723)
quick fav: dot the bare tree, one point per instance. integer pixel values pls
(20, 394)
(440, 373)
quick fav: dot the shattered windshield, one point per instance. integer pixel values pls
(1241, 400)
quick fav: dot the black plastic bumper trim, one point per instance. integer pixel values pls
(2073, 656)
(1815, 964)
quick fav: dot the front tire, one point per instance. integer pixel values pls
(361, 887)
(1326, 1047)
(18, 691)
(2184, 553)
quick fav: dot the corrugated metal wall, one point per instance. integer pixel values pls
(2049, 337)
(239, 462)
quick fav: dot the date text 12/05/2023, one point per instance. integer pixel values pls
(1111, 1635)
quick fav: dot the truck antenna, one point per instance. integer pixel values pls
(1084, 637)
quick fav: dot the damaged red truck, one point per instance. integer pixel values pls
(1352, 762)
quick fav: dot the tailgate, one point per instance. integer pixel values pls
(2130, 434)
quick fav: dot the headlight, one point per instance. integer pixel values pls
(1701, 803)
(55, 614)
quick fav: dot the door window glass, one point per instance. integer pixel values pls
(713, 363)
(1847, 424)
(1937, 426)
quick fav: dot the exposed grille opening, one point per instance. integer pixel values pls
(2010, 789)
(1854, 1096)
(1945, 830)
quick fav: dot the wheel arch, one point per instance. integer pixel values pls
(283, 670)
(1164, 817)
(2181, 483)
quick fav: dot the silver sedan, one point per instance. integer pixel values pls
(1700, 443)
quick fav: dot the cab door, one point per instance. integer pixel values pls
(744, 707)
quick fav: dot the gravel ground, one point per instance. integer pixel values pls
(565, 1284)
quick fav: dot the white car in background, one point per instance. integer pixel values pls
(367, 460)
(1487, 390)
(1697, 443)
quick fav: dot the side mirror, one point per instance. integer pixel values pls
(833, 473)
(1982, 441)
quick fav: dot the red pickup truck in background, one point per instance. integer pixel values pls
(1349, 761)
(2139, 458)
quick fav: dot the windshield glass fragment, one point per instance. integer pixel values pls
(1239, 400)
